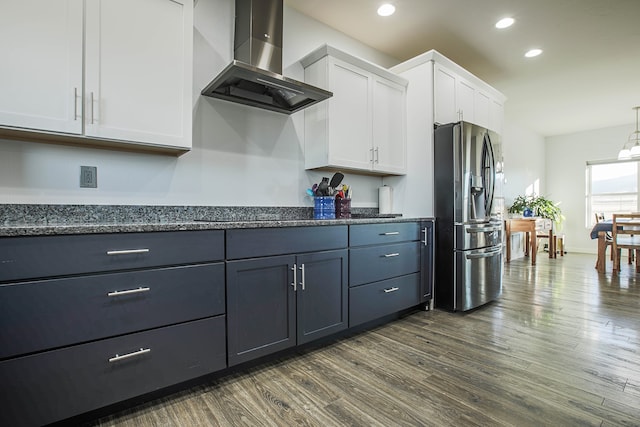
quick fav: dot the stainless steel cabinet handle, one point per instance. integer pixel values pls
(302, 281)
(75, 103)
(377, 155)
(128, 355)
(391, 255)
(371, 151)
(128, 252)
(391, 233)
(295, 278)
(389, 290)
(128, 292)
(424, 231)
(91, 107)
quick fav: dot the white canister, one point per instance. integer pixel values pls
(385, 199)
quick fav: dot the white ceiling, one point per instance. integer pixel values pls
(587, 78)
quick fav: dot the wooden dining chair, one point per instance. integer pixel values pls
(609, 238)
(625, 234)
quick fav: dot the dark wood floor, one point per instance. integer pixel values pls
(560, 348)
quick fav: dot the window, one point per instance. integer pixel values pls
(611, 187)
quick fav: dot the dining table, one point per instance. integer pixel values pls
(532, 227)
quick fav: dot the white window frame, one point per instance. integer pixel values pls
(589, 213)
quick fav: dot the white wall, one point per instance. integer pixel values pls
(241, 156)
(566, 157)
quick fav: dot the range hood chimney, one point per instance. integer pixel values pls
(255, 75)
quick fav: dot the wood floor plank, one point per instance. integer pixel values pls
(560, 347)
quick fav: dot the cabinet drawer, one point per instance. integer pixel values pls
(258, 242)
(70, 381)
(375, 263)
(45, 314)
(46, 256)
(374, 234)
(375, 300)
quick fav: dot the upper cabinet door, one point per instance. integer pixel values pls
(389, 126)
(496, 116)
(465, 93)
(444, 96)
(139, 71)
(481, 103)
(41, 72)
(350, 116)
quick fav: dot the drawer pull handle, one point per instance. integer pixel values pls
(128, 252)
(128, 355)
(389, 290)
(295, 278)
(391, 233)
(302, 282)
(391, 255)
(128, 292)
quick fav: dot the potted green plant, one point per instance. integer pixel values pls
(540, 205)
(520, 203)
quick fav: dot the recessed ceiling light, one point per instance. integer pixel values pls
(533, 52)
(386, 9)
(505, 23)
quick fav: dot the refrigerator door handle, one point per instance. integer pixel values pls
(487, 254)
(482, 229)
(489, 172)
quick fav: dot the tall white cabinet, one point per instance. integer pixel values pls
(125, 79)
(460, 96)
(363, 126)
(439, 91)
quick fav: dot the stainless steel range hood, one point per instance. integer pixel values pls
(255, 75)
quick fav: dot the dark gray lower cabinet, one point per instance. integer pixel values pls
(57, 384)
(378, 299)
(322, 294)
(260, 307)
(87, 321)
(385, 263)
(277, 302)
(52, 313)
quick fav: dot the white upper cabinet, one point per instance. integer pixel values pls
(363, 126)
(465, 94)
(138, 71)
(136, 62)
(446, 108)
(389, 126)
(349, 118)
(481, 104)
(496, 115)
(41, 72)
(458, 95)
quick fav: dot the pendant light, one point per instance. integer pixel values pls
(631, 148)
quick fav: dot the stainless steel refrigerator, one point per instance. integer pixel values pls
(468, 250)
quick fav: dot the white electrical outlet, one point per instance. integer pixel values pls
(88, 177)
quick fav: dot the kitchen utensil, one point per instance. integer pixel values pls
(323, 187)
(336, 179)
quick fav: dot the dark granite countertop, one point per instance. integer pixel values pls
(40, 220)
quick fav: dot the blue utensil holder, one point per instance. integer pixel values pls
(324, 207)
